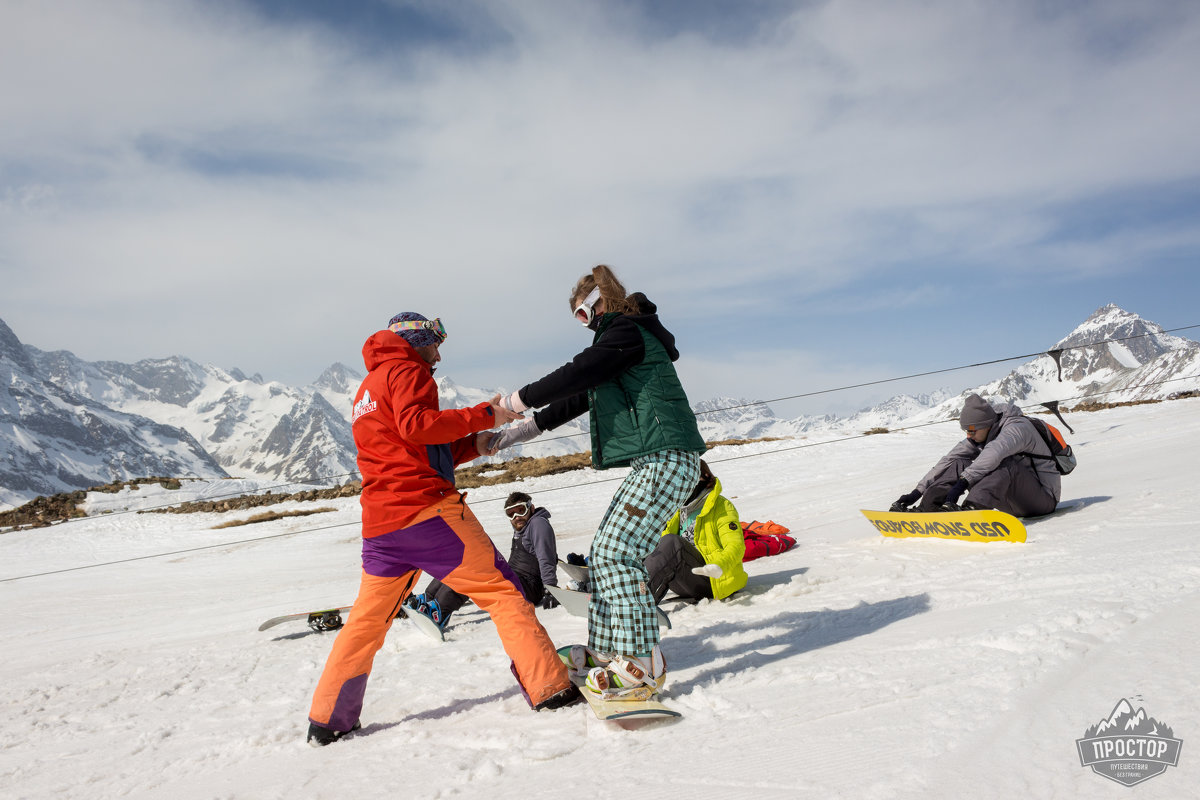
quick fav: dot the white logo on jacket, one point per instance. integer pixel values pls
(364, 406)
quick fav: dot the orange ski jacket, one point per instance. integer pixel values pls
(407, 446)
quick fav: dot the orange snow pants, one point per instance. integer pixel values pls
(447, 541)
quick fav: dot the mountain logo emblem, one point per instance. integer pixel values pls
(364, 406)
(1128, 746)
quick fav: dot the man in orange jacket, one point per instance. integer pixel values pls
(414, 521)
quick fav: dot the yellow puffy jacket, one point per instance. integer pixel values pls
(719, 539)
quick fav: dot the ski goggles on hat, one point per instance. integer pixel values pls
(518, 509)
(583, 311)
(434, 326)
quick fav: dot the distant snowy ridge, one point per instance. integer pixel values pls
(251, 427)
(55, 440)
(67, 424)
(1148, 365)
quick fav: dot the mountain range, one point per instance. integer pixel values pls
(66, 423)
(1114, 356)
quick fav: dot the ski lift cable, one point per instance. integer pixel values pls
(322, 479)
(916, 375)
(565, 487)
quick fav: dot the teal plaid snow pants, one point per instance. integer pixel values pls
(621, 616)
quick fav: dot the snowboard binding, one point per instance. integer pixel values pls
(322, 621)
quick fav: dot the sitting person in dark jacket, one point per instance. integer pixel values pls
(533, 557)
(1003, 463)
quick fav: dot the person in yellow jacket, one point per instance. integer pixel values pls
(700, 553)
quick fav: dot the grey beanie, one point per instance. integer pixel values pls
(416, 337)
(978, 413)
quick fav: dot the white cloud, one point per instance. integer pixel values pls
(265, 195)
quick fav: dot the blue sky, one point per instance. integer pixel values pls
(815, 193)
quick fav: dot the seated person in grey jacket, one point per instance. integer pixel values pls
(1003, 464)
(533, 557)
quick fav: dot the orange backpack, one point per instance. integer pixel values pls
(1060, 452)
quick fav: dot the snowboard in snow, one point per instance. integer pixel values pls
(986, 525)
(644, 707)
(329, 619)
(424, 623)
(573, 571)
(576, 604)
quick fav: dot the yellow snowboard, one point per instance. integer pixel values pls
(986, 525)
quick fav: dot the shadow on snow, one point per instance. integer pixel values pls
(803, 631)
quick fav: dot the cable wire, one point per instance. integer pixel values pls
(320, 479)
(574, 485)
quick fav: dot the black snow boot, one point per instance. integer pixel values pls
(319, 736)
(567, 697)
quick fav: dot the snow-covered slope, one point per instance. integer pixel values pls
(53, 439)
(852, 666)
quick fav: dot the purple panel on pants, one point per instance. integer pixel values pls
(348, 707)
(432, 546)
(507, 571)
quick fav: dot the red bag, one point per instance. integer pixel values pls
(765, 539)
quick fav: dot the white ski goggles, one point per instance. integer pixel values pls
(518, 509)
(583, 311)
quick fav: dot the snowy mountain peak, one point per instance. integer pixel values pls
(733, 408)
(451, 395)
(339, 378)
(11, 349)
(1128, 333)
(1113, 341)
(1113, 356)
(58, 434)
(76, 423)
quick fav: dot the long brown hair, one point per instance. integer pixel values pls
(611, 291)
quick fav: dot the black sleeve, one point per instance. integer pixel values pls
(618, 349)
(561, 411)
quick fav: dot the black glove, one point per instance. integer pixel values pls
(549, 601)
(576, 559)
(956, 491)
(905, 501)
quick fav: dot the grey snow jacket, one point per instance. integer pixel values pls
(535, 547)
(1013, 433)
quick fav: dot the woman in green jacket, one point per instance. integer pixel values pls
(639, 417)
(700, 553)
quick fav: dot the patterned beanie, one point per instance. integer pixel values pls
(417, 337)
(977, 413)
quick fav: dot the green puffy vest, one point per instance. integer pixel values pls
(643, 410)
